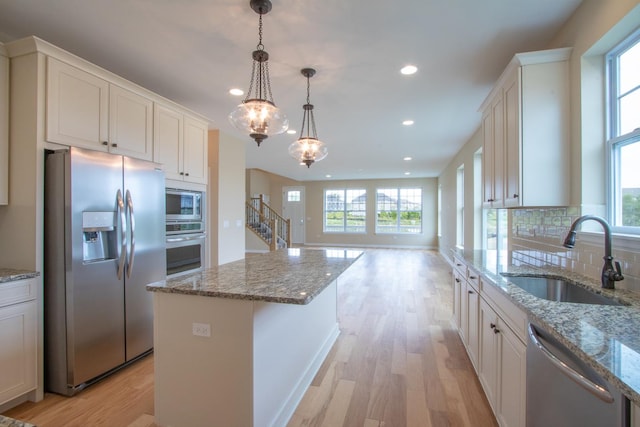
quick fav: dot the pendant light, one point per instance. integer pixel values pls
(257, 115)
(308, 148)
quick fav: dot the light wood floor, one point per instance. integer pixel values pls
(397, 361)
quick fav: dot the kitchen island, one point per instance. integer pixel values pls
(238, 344)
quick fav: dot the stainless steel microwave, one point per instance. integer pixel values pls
(183, 205)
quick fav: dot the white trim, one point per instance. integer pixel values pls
(346, 245)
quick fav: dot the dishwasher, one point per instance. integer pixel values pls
(563, 391)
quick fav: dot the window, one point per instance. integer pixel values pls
(345, 211)
(623, 66)
(460, 207)
(399, 210)
(293, 196)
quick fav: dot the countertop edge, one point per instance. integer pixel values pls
(13, 274)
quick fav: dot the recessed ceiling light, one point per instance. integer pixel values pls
(408, 70)
(292, 131)
(407, 122)
(407, 173)
(327, 176)
(406, 159)
(236, 92)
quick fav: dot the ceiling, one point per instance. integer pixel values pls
(194, 51)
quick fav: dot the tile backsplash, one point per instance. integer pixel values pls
(536, 237)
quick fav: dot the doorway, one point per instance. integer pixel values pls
(293, 208)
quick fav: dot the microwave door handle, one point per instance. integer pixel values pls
(132, 245)
(123, 233)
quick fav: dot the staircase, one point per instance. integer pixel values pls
(267, 224)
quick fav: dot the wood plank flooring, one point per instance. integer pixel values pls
(397, 361)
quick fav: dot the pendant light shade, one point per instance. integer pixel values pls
(308, 149)
(257, 115)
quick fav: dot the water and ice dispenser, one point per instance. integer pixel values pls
(99, 238)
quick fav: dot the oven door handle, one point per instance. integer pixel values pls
(185, 238)
(595, 389)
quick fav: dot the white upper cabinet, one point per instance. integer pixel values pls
(180, 145)
(86, 111)
(528, 140)
(77, 106)
(130, 123)
(4, 127)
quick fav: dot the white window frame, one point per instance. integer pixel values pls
(460, 207)
(345, 210)
(616, 141)
(398, 228)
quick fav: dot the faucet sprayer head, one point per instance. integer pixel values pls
(570, 240)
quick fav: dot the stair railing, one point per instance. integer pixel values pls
(275, 228)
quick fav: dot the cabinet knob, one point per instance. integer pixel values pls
(490, 200)
(187, 174)
(105, 143)
(457, 280)
(471, 292)
(496, 330)
(515, 196)
(181, 173)
(492, 325)
(472, 277)
(114, 145)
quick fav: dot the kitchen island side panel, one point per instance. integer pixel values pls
(202, 381)
(290, 343)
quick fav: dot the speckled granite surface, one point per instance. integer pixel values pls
(10, 422)
(11, 274)
(291, 276)
(606, 337)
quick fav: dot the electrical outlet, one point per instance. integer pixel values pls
(201, 329)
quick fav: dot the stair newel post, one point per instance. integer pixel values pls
(288, 232)
(273, 244)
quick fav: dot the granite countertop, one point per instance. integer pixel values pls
(12, 274)
(604, 336)
(290, 276)
(10, 422)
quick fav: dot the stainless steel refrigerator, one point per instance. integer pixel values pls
(104, 242)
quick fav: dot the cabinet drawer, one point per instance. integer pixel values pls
(513, 316)
(460, 266)
(473, 278)
(17, 291)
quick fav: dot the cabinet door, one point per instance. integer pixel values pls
(457, 287)
(195, 151)
(4, 129)
(130, 123)
(168, 137)
(18, 350)
(498, 152)
(487, 158)
(512, 378)
(473, 338)
(77, 106)
(512, 140)
(488, 357)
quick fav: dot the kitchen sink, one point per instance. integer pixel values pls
(554, 289)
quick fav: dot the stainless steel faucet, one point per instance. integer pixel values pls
(609, 275)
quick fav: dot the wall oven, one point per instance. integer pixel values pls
(185, 253)
(185, 231)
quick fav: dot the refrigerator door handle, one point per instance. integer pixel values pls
(133, 234)
(123, 233)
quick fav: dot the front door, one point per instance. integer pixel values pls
(293, 208)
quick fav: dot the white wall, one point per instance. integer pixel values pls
(230, 193)
(447, 182)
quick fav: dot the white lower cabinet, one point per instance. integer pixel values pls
(502, 367)
(18, 338)
(486, 322)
